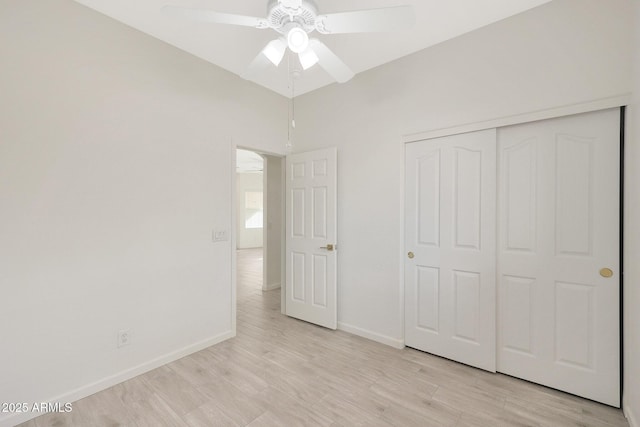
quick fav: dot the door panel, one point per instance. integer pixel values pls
(428, 189)
(519, 307)
(298, 276)
(450, 300)
(573, 195)
(428, 298)
(520, 170)
(558, 226)
(467, 205)
(311, 231)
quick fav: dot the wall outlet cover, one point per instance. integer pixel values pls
(124, 338)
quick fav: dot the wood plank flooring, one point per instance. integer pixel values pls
(283, 372)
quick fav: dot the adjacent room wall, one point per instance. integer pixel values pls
(631, 394)
(562, 53)
(115, 166)
(247, 237)
(274, 222)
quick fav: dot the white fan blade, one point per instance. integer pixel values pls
(366, 21)
(259, 64)
(330, 62)
(216, 17)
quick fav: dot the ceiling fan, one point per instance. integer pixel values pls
(295, 20)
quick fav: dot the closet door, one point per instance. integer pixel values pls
(450, 231)
(558, 254)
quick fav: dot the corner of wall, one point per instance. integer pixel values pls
(271, 286)
(631, 395)
(629, 414)
(105, 383)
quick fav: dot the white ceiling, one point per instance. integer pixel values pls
(233, 48)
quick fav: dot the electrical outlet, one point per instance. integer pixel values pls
(124, 338)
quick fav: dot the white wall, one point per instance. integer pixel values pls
(562, 53)
(274, 220)
(115, 166)
(247, 237)
(631, 393)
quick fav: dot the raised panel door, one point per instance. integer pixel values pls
(450, 297)
(558, 226)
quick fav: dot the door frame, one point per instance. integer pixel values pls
(233, 231)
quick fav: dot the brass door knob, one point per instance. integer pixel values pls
(328, 247)
(410, 255)
(606, 272)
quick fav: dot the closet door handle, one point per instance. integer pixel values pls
(606, 272)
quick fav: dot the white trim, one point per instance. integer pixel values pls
(265, 221)
(403, 244)
(271, 287)
(567, 110)
(283, 235)
(233, 229)
(233, 245)
(373, 336)
(628, 412)
(105, 383)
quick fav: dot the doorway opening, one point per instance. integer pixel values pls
(259, 228)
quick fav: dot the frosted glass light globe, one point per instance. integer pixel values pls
(298, 40)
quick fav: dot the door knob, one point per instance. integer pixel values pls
(328, 247)
(606, 272)
(410, 255)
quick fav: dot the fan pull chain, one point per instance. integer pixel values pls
(293, 102)
(289, 144)
(291, 120)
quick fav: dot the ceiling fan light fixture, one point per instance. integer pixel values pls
(298, 40)
(294, 20)
(308, 59)
(274, 51)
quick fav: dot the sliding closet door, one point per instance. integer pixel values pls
(450, 294)
(558, 254)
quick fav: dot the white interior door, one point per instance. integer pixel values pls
(311, 232)
(450, 233)
(558, 233)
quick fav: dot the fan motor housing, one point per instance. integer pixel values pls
(282, 18)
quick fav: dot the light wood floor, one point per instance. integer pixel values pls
(283, 372)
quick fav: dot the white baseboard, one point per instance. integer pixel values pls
(373, 336)
(631, 416)
(105, 383)
(271, 287)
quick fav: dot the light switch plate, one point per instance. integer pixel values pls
(220, 235)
